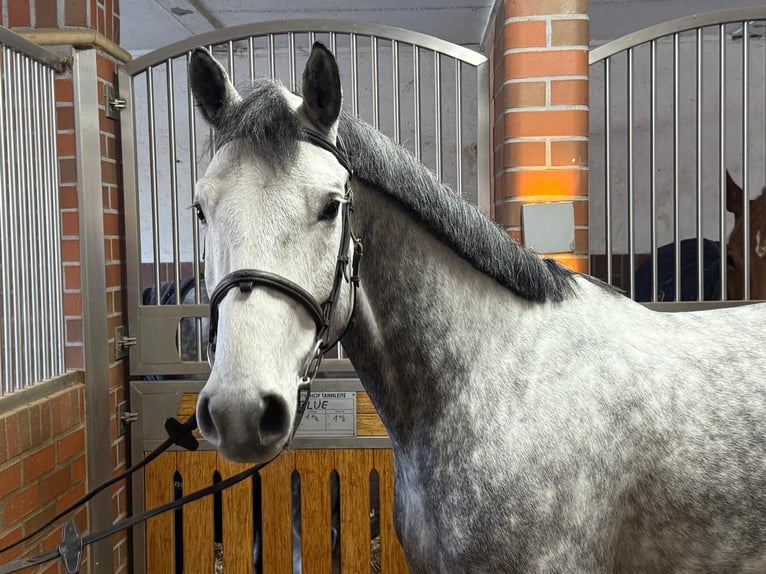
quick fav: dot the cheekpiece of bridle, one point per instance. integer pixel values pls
(245, 280)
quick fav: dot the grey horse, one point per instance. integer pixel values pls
(540, 421)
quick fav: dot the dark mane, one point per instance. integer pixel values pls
(382, 164)
(265, 123)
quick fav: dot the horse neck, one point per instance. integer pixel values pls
(415, 336)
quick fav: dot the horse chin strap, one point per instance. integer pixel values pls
(247, 279)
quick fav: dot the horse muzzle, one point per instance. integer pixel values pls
(247, 431)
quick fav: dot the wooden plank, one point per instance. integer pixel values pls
(158, 489)
(196, 469)
(391, 553)
(354, 466)
(237, 520)
(369, 425)
(364, 404)
(315, 467)
(368, 422)
(275, 514)
(187, 406)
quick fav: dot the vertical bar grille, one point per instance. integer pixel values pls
(31, 315)
(660, 151)
(386, 82)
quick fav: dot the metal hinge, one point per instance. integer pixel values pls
(113, 103)
(126, 417)
(129, 417)
(122, 342)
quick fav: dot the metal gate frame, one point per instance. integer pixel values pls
(602, 56)
(152, 326)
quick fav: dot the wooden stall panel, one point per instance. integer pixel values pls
(391, 554)
(196, 469)
(237, 520)
(354, 467)
(158, 479)
(275, 514)
(314, 468)
(368, 422)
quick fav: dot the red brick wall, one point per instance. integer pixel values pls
(70, 228)
(539, 82)
(42, 467)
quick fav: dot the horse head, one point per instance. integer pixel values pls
(274, 206)
(735, 247)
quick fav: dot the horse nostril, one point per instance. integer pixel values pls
(275, 420)
(205, 419)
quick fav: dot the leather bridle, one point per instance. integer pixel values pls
(247, 279)
(72, 544)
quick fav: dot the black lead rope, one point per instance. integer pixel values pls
(70, 548)
(178, 433)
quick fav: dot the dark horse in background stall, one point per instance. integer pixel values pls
(711, 259)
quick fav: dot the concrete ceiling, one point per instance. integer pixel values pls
(150, 24)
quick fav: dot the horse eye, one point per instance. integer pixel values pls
(200, 214)
(330, 210)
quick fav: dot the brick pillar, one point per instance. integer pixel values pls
(90, 25)
(539, 82)
(103, 16)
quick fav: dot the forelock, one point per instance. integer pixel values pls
(262, 122)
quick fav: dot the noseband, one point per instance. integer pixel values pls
(247, 279)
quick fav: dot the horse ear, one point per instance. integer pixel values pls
(210, 85)
(321, 88)
(733, 195)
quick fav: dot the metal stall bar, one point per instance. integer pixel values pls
(5, 166)
(722, 155)
(272, 58)
(653, 163)
(14, 218)
(395, 79)
(438, 113)
(608, 170)
(25, 180)
(631, 187)
(153, 182)
(192, 214)
(291, 55)
(416, 97)
(354, 75)
(38, 237)
(375, 95)
(698, 164)
(47, 257)
(250, 59)
(676, 172)
(458, 127)
(173, 167)
(745, 161)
